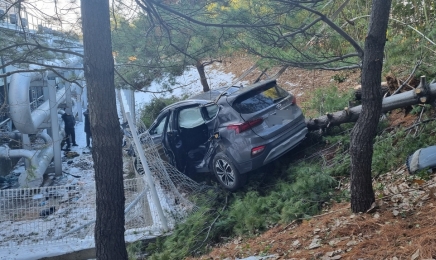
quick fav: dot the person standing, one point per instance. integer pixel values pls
(87, 128)
(69, 122)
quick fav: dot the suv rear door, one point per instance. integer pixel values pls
(273, 105)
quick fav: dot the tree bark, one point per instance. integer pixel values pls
(200, 68)
(105, 127)
(348, 115)
(363, 133)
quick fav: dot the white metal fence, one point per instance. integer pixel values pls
(63, 213)
(60, 214)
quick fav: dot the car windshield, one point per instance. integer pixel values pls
(259, 99)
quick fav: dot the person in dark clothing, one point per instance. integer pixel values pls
(69, 122)
(87, 128)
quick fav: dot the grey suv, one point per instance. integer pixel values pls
(230, 131)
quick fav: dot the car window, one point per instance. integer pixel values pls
(211, 110)
(190, 117)
(259, 99)
(159, 127)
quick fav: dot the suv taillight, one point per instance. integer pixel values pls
(294, 100)
(257, 150)
(239, 128)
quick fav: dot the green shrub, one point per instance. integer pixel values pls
(339, 78)
(327, 99)
(151, 110)
(300, 193)
(187, 238)
(392, 149)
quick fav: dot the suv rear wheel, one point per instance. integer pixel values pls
(226, 173)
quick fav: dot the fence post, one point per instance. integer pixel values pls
(148, 176)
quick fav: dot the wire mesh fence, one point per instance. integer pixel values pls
(177, 191)
(58, 214)
(63, 213)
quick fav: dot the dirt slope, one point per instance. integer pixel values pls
(298, 81)
(401, 226)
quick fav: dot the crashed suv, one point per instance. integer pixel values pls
(229, 132)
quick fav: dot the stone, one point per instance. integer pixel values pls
(316, 242)
(296, 243)
(415, 255)
(352, 243)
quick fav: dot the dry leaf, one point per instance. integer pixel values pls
(419, 182)
(432, 192)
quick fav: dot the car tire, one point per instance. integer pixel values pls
(226, 173)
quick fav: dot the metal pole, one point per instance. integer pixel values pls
(6, 90)
(148, 177)
(68, 101)
(26, 145)
(79, 91)
(132, 102)
(51, 85)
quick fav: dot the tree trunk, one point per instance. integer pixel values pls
(105, 127)
(348, 115)
(200, 68)
(362, 136)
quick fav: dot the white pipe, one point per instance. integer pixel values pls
(11, 135)
(56, 136)
(25, 121)
(39, 161)
(79, 93)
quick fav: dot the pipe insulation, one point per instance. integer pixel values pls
(26, 121)
(39, 161)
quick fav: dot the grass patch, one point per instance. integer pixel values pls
(391, 149)
(326, 99)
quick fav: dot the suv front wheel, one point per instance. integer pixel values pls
(226, 173)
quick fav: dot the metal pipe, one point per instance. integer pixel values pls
(11, 135)
(39, 161)
(51, 85)
(25, 121)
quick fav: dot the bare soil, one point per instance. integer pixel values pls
(402, 224)
(300, 82)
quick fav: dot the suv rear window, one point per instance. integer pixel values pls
(259, 99)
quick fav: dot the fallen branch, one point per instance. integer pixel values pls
(420, 123)
(410, 76)
(210, 226)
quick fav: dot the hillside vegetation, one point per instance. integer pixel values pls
(298, 206)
